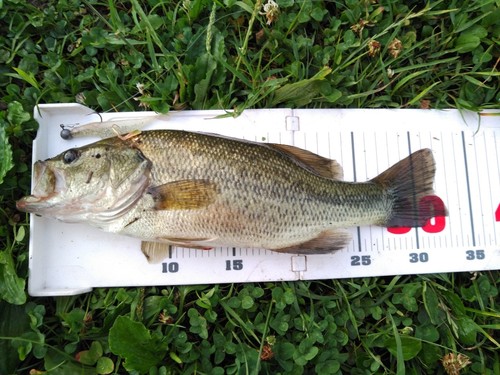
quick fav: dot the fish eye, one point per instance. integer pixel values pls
(70, 156)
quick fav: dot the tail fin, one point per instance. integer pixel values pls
(408, 181)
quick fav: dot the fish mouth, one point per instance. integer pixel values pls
(48, 183)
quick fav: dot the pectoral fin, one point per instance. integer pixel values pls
(184, 194)
(327, 242)
(318, 164)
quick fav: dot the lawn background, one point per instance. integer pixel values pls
(199, 54)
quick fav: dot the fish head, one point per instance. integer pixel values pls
(95, 182)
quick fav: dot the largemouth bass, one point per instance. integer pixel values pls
(201, 191)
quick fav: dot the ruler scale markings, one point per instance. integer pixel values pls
(479, 180)
(350, 174)
(415, 203)
(355, 179)
(461, 235)
(386, 244)
(364, 158)
(330, 149)
(347, 158)
(434, 239)
(491, 177)
(497, 147)
(495, 204)
(365, 170)
(437, 144)
(374, 229)
(481, 188)
(451, 192)
(463, 194)
(354, 172)
(485, 199)
(468, 190)
(445, 189)
(317, 143)
(399, 152)
(341, 151)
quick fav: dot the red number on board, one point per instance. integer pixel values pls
(433, 225)
(398, 230)
(497, 213)
(436, 224)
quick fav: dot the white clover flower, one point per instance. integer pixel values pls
(270, 10)
(80, 98)
(140, 87)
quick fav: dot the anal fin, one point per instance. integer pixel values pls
(326, 242)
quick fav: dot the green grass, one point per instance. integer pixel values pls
(201, 54)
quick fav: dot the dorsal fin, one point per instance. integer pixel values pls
(318, 164)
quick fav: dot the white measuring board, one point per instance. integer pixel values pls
(68, 259)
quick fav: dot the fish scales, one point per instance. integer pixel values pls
(201, 190)
(263, 193)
